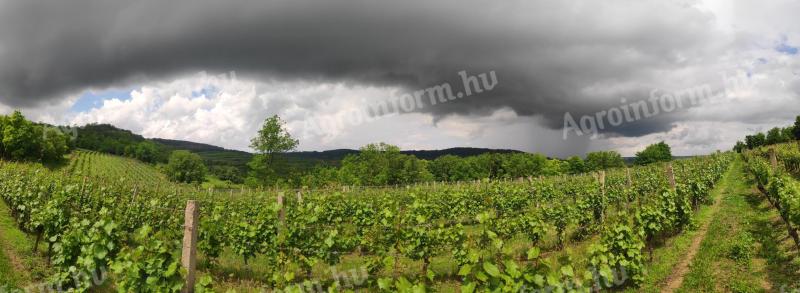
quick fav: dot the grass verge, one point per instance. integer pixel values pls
(746, 249)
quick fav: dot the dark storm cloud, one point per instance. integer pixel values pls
(550, 57)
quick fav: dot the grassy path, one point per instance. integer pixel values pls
(674, 251)
(19, 265)
(745, 248)
(675, 280)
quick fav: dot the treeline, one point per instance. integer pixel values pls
(773, 136)
(384, 164)
(109, 139)
(21, 139)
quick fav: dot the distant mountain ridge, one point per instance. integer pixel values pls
(330, 155)
(111, 139)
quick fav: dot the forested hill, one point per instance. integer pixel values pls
(110, 139)
(329, 156)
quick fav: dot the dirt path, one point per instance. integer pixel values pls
(15, 261)
(675, 280)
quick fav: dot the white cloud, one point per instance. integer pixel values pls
(614, 50)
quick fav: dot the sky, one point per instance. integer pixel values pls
(540, 76)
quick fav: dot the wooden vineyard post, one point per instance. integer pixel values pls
(671, 176)
(299, 196)
(602, 180)
(773, 159)
(629, 191)
(282, 214)
(628, 174)
(189, 253)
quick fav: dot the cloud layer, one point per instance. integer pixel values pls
(551, 57)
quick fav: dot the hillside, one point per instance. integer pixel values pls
(111, 139)
(215, 153)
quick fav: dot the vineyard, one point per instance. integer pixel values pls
(105, 215)
(775, 170)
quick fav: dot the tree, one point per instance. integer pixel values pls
(754, 141)
(603, 160)
(18, 137)
(383, 164)
(145, 151)
(450, 168)
(575, 165)
(372, 165)
(553, 167)
(658, 152)
(54, 144)
(797, 128)
(515, 165)
(788, 133)
(229, 173)
(185, 166)
(775, 136)
(739, 147)
(273, 139)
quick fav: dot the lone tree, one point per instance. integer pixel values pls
(659, 152)
(185, 166)
(272, 140)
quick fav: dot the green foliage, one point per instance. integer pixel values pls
(229, 173)
(111, 140)
(152, 265)
(271, 141)
(19, 137)
(495, 166)
(739, 147)
(84, 251)
(145, 151)
(184, 166)
(472, 223)
(575, 165)
(382, 164)
(777, 135)
(273, 138)
(756, 140)
(659, 152)
(54, 144)
(212, 237)
(620, 250)
(742, 248)
(796, 128)
(603, 160)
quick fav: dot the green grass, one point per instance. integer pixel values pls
(743, 212)
(14, 243)
(216, 183)
(673, 250)
(7, 275)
